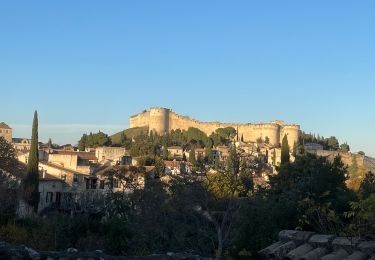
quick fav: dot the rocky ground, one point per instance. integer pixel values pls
(13, 252)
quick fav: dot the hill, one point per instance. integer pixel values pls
(129, 133)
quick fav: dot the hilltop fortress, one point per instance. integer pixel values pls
(163, 120)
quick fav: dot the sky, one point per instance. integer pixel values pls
(88, 65)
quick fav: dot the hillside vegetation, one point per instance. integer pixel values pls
(129, 133)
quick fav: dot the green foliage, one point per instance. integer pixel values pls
(363, 216)
(145, 145)
(166, 154)
(192, 158)
(367, 186)
(344, 147)
(330, 143)
(209, 153)
(8, 159)
(267, 140)
(93, 140)
(223, 136)
(333, 143)
(285, 153)
(233, 180)
(49, 144)
(30, 183)
(130, 133)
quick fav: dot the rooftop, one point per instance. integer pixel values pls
(81, 155)
(294, 244)
(4, 126)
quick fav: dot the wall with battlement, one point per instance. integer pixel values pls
(163, 120)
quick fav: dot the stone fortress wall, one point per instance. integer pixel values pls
(163, 120)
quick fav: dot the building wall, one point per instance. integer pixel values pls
(48, 192)
(109, 153)
(64, 160)
(7, 134)
(162, 120)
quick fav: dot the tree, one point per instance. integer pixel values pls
(31, 181)
(8, 159)
(345, 147)
(82, 142)
(259, 140)
(285, 156)
(208, 152)
(367, 186)
(122, 138)
(94, 140)
(165, 152)
(333, 143)
(8, 170)
(49, 144)
(267, 140)
(192, 158)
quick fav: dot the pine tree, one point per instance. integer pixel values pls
(31, 181)
(122, 138)
(165, 152)
(285, 156)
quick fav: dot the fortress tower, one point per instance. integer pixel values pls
(163, 120)
(159, 120)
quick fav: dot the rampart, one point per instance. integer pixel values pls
(163, 120)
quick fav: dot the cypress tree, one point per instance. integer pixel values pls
(49, 144)
(192, 158)
(31, 181)
(285, 156)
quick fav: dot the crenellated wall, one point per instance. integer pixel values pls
(162, 120)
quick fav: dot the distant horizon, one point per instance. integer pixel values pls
(73, 132)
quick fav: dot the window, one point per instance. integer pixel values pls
(49, 197)
(101, 184)
(58, 198)
(93, 184)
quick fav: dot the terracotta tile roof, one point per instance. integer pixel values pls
(48, 177)
(294, 244)
(174, 163)
(4, 126)
(149, 168)
(81, 155)
(175, 147)
(59, 167)
(127, 168)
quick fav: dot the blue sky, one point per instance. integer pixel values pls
(89, 65)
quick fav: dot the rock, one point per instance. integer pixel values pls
(72, 250)
(32, 253)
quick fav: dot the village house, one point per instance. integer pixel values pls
(109, 153)
(177, 167)
(6, 132)
(176, 152)
(78, 161)
(222, 152)
(21, 144)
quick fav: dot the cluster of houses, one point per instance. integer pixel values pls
(71, 178)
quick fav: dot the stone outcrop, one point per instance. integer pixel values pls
(9, 251)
